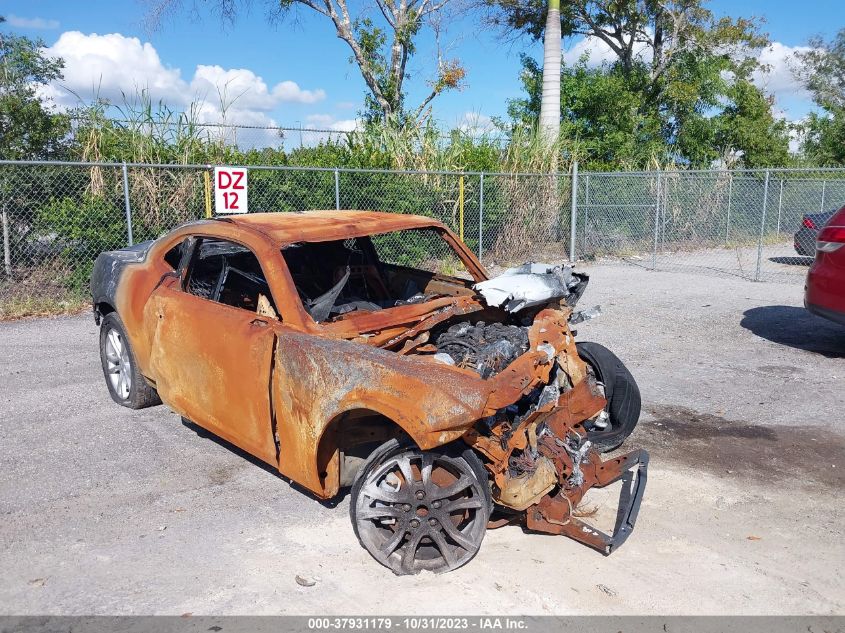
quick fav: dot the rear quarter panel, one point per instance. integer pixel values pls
(125, 280)
(825, 285)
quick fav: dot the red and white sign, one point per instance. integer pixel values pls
(230, 190)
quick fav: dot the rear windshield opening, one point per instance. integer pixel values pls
(373, 273)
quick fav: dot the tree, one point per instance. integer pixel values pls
(28, 130)
(550, 102)
(380, 35)
(657, 31)
(747, 125)
(600, 115)
(822, 70)
(673, 62)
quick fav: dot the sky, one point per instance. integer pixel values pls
(298, 72)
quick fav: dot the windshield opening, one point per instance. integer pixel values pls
(372, 273)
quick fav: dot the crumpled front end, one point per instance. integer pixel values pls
(536, 445)
(499, 368)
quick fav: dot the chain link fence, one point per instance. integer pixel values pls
(743, 223)
(56, 217)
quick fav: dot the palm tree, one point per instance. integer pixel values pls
(550, 103)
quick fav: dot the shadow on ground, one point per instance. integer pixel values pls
(797, 260)
(796, 327)
(220, 475)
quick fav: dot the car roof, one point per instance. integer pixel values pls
(321, 226)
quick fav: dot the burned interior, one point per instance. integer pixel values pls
(337, 277)
(373, 350)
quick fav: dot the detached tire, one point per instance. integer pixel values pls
(127, 387)
(623, 396)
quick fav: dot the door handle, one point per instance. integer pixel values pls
(258, 323)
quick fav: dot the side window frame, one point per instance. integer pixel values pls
(190, 254)
(189, 245)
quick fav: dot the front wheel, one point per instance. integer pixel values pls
(415, 510)
(621, 391)
(126, 385)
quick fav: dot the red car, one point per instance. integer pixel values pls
(824, 292)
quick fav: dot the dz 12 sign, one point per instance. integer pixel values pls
(230, 190)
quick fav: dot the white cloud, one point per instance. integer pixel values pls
(777, 77)
(31, 23)
(319, 120)
(328, 122)
(346, 125)
(109, 65)
(113, 65)
(475, 123)
(329, 129)
(599, 52)
(238, 87)
(289, 91)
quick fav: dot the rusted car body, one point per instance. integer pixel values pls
(263, 364)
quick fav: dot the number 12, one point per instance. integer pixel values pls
(233, 203)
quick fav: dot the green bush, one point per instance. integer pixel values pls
(75, 231)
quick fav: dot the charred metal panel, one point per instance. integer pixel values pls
(109, 267)
(317, 379)
(212, 364)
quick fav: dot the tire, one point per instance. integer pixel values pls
(406, 532)
(120, 367)
(623, 396)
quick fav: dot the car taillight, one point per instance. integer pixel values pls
(830, 239)
(809, 224)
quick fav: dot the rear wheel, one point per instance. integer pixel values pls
(621, 391)
(416, 510)
(126, 385)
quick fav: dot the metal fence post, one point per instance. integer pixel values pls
(7, 250)
(337, 189)
(762, 227)
(728, 221)
(480, 214)
(824, 186)
(780, 204)
(4, 218)
(573, 221)
(126, 204)
(656, 221)
(586, 207)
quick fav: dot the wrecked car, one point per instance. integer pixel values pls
(330, 345)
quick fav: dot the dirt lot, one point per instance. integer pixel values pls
(106, 510)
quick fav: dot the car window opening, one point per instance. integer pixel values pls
(229, 273)
(366, 274)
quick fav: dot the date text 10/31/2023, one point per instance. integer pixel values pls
(418, 623)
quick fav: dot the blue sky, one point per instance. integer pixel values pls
(307, 77)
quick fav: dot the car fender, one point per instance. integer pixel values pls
(317, 379)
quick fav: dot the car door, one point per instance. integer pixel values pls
(212, 352)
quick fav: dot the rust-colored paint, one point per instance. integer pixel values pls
(287, 390)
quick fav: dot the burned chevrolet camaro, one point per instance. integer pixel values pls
(330, 345)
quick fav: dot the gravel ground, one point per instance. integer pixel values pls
(109, 511)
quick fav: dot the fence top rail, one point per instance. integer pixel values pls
(410, 172)
(715, 173)
(760, 171)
